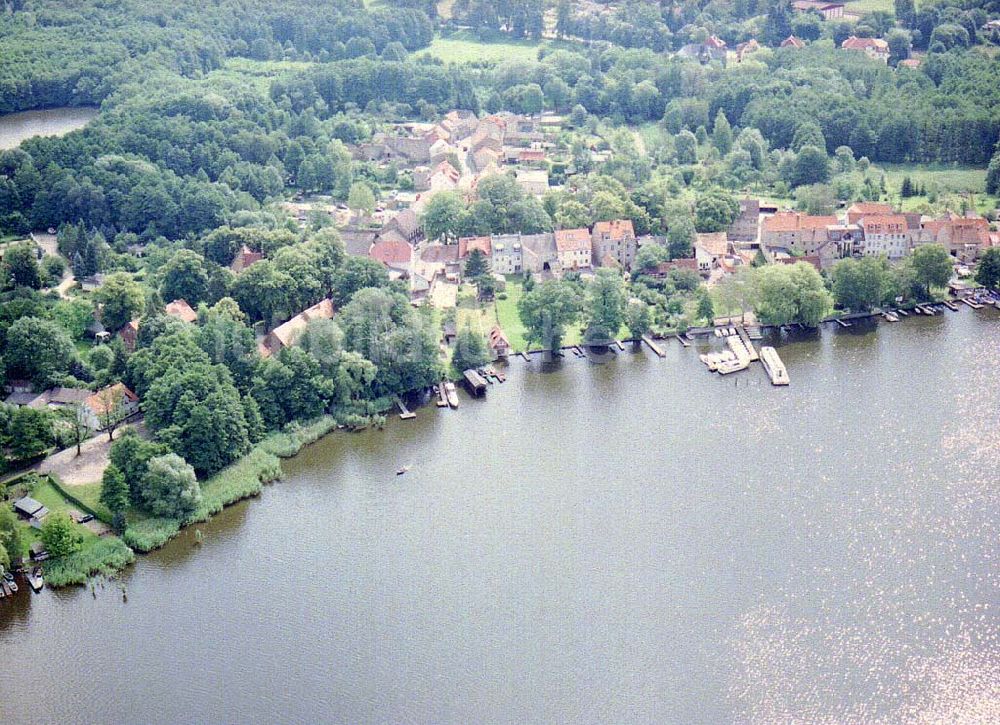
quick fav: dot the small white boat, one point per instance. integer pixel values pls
(401, 471)
(452, 394)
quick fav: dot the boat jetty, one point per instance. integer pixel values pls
(740, 353)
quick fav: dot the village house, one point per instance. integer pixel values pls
(746, 225)
(466, 245)
(539, 253)
(288, 333)
(874, 48)
(965, 238)
(53, 398)
(792, 42)
(663, 269)
(533, 181)
(404, 227)
(574, 248)
(709, 247)
(394, 254)
(443, 177)
(801, 233)
(506, 258)
(109, 407)
(499, 345)
(744, 49)
(860, 209)
(244, 259)
(829, 11)
(713, 48)
(181, 310)
(884, 235)
(460, 124)
(614, 239)
(129, 334)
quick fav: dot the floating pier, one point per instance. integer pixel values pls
(842, 323)
(525, 356)
(682, 341)
(654, 347)
(970, 303)
(620, 346)
(950, 305)
(773, 365)
(404, 412)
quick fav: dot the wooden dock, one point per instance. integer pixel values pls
(654, 347)
(681, 340)
(842, 323)
(620, 346)
(970, 303)
(525, 356)
(774, 366)
(442, 401)
(744, 338)
(404, 412)
(950, 305)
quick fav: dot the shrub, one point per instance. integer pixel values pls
(104, 556)
(151, 534)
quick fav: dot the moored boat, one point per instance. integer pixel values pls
(452, 394)
(35, 580)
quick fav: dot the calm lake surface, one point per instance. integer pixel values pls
(16, 127)
(638, 541)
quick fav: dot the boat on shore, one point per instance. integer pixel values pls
(452, 394)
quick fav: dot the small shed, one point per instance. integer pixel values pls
(475, 383)
(30, 508)
(38, 552)
(499, 344)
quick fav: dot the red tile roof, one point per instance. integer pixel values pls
(572, 240)
(467, 244)
(181, 310)
(792, 221)
(884, 224)
(391, 251)
(104, 399)
(617, 229)
(853, 43)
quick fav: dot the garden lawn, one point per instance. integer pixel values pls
(464, 47)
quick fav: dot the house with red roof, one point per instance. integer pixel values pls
(393, 253)
(245, 258)
(288, 333)
(874, 48)
(796, 232)
(792, 42)
(615, 238)
(574, 248)
(181, 310)
(109, 406)
(884, 235)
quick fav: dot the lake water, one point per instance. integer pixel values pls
(637, 541)
(16, 127)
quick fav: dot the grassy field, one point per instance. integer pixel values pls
(463, 47)
(257, 73)
(860, 7)
(503, 312)
(946, 177)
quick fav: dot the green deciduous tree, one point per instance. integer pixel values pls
(859, 285)
(605, 307)
(38, 349)
(784, 294)
(122, 300)
(931, 265)
(547, 310)
(170, 488)
(470, 351)
(988, 271)
(114, 490)
(184, 277)
(60, 535)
